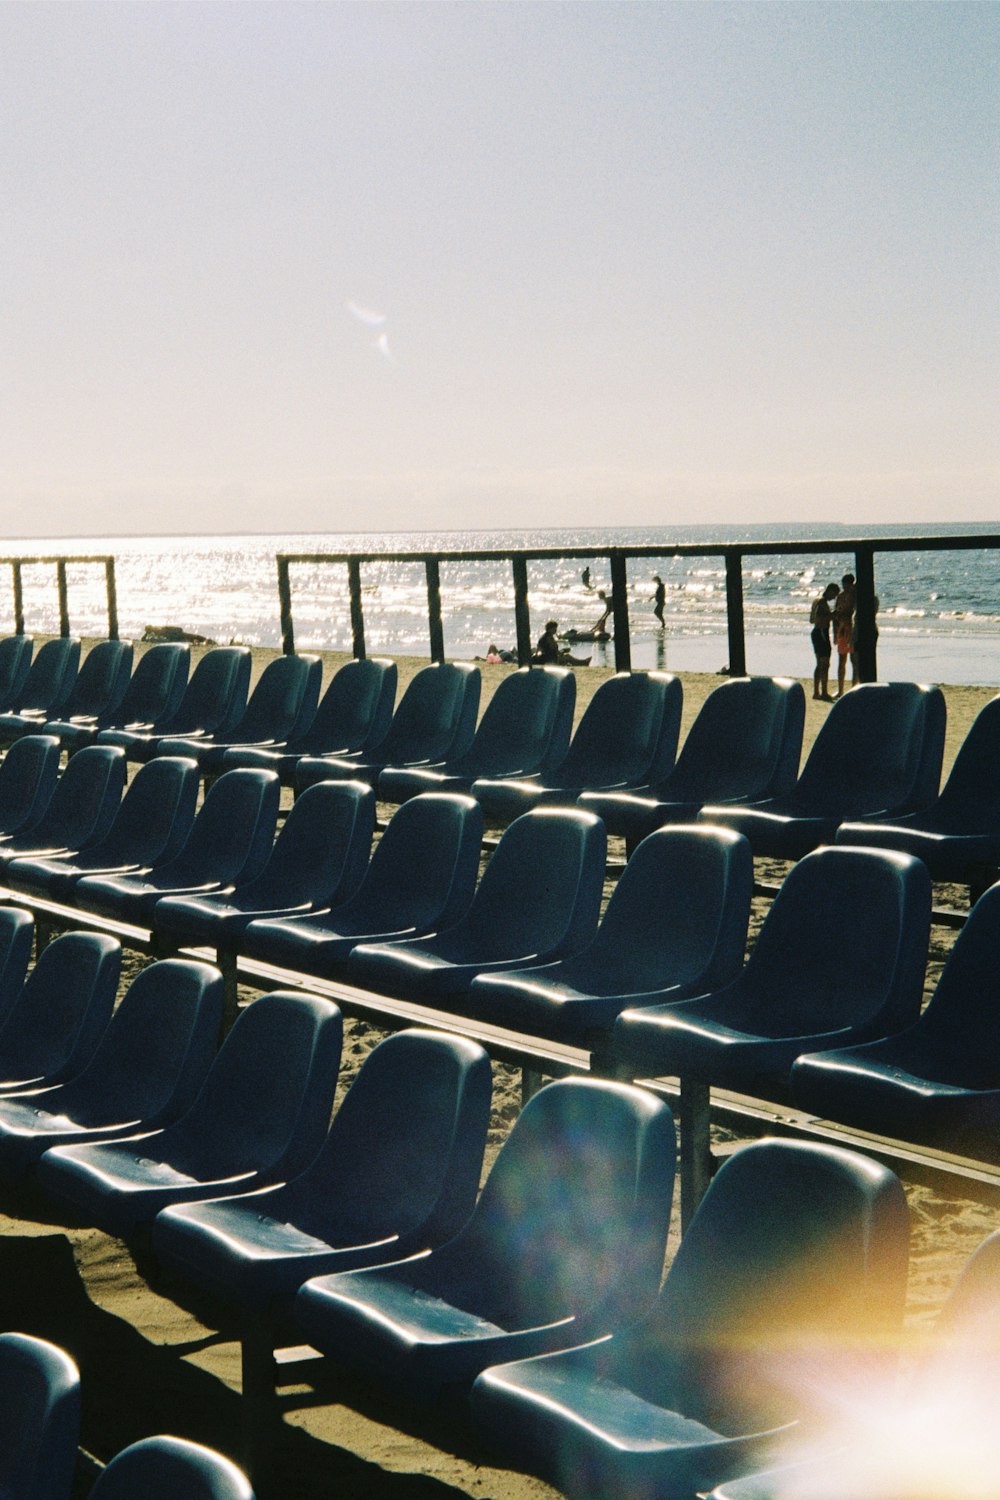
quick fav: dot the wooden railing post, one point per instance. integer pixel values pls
(285, 607)
(619, 611)
(734, 614)
(63, 599)
(434, 624)
(111, 591)
(522, 612)
(357, 612)
(864, 614)
(15, 569)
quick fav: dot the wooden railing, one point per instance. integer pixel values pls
(61, 564)
(617, 558)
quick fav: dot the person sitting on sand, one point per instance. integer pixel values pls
(547, 650)
(492, 654)
(821, 618)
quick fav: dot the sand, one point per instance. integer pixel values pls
(151, 1366)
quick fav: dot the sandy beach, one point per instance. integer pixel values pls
(150, 1366)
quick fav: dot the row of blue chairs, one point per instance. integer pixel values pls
(531, 957)
(40, 1407)
(564, 1244)
(876, 759)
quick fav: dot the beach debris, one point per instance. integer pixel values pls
(165, 634)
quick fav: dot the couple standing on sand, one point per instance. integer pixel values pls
(834, 607)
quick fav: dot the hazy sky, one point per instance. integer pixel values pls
(332, 265)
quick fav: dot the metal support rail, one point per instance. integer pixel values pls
(617, 558)
(61, 564)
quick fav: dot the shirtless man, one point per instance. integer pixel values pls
(843, 632)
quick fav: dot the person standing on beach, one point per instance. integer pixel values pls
(821, 618)
(585, 578)
(660, 595)
(843, 632)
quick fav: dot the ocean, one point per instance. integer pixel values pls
(939, 618)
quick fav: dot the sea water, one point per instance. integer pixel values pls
(939, 618)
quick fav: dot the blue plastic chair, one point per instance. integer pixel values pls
(937, 1082)
(213, 702)
(80, 811)
(421, 878)
(283, 703)
(397, 1174)
(15, 660)
(259, 1118)
(17, 935)
(39, 1419)
(28, 775)
(99, 686)
(153, 691)
(524, 731)
(229, 841)
(566, 1243)
(744, 746)
(675, 926)
(353, 716)
(515, 921)
(878, 754)
(790, 1278)
(435, 720)
(627, 737)
(45, 689)
(53, 1027)
(148, 1065)
(958, 836)
(797, 994)
(318, 859)
(168, 1468)
(150, 825)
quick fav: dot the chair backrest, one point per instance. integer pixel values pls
(17, 934)
(39, 1419)
(321, 852)
(265, 1105)
(880, 746)
(679, 912)
(960, 1027)
(574, 1213)
(800, 976)
(215, 696)
(974, 780)
(154, 817)
(232, 834)
(785, 1291)
(167, 1468)
(542, 887)
(436, 717)
(101, 680)
(525, 726)
(424, 868)
(283, 701)
(155, 688)
(15, 660)
(745, 742)
(50, 677)
(356, 709)
(628, 732)
(57, 1020)
(405, 1150)
(155, 1054)
(28, 775)
(85, 800)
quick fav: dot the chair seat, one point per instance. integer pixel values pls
(211, 918)
(315, 944)
(128, 898)
(239, 1252)
(414, 970)
(538, 1003)
(951, 854)
(610, 1437)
